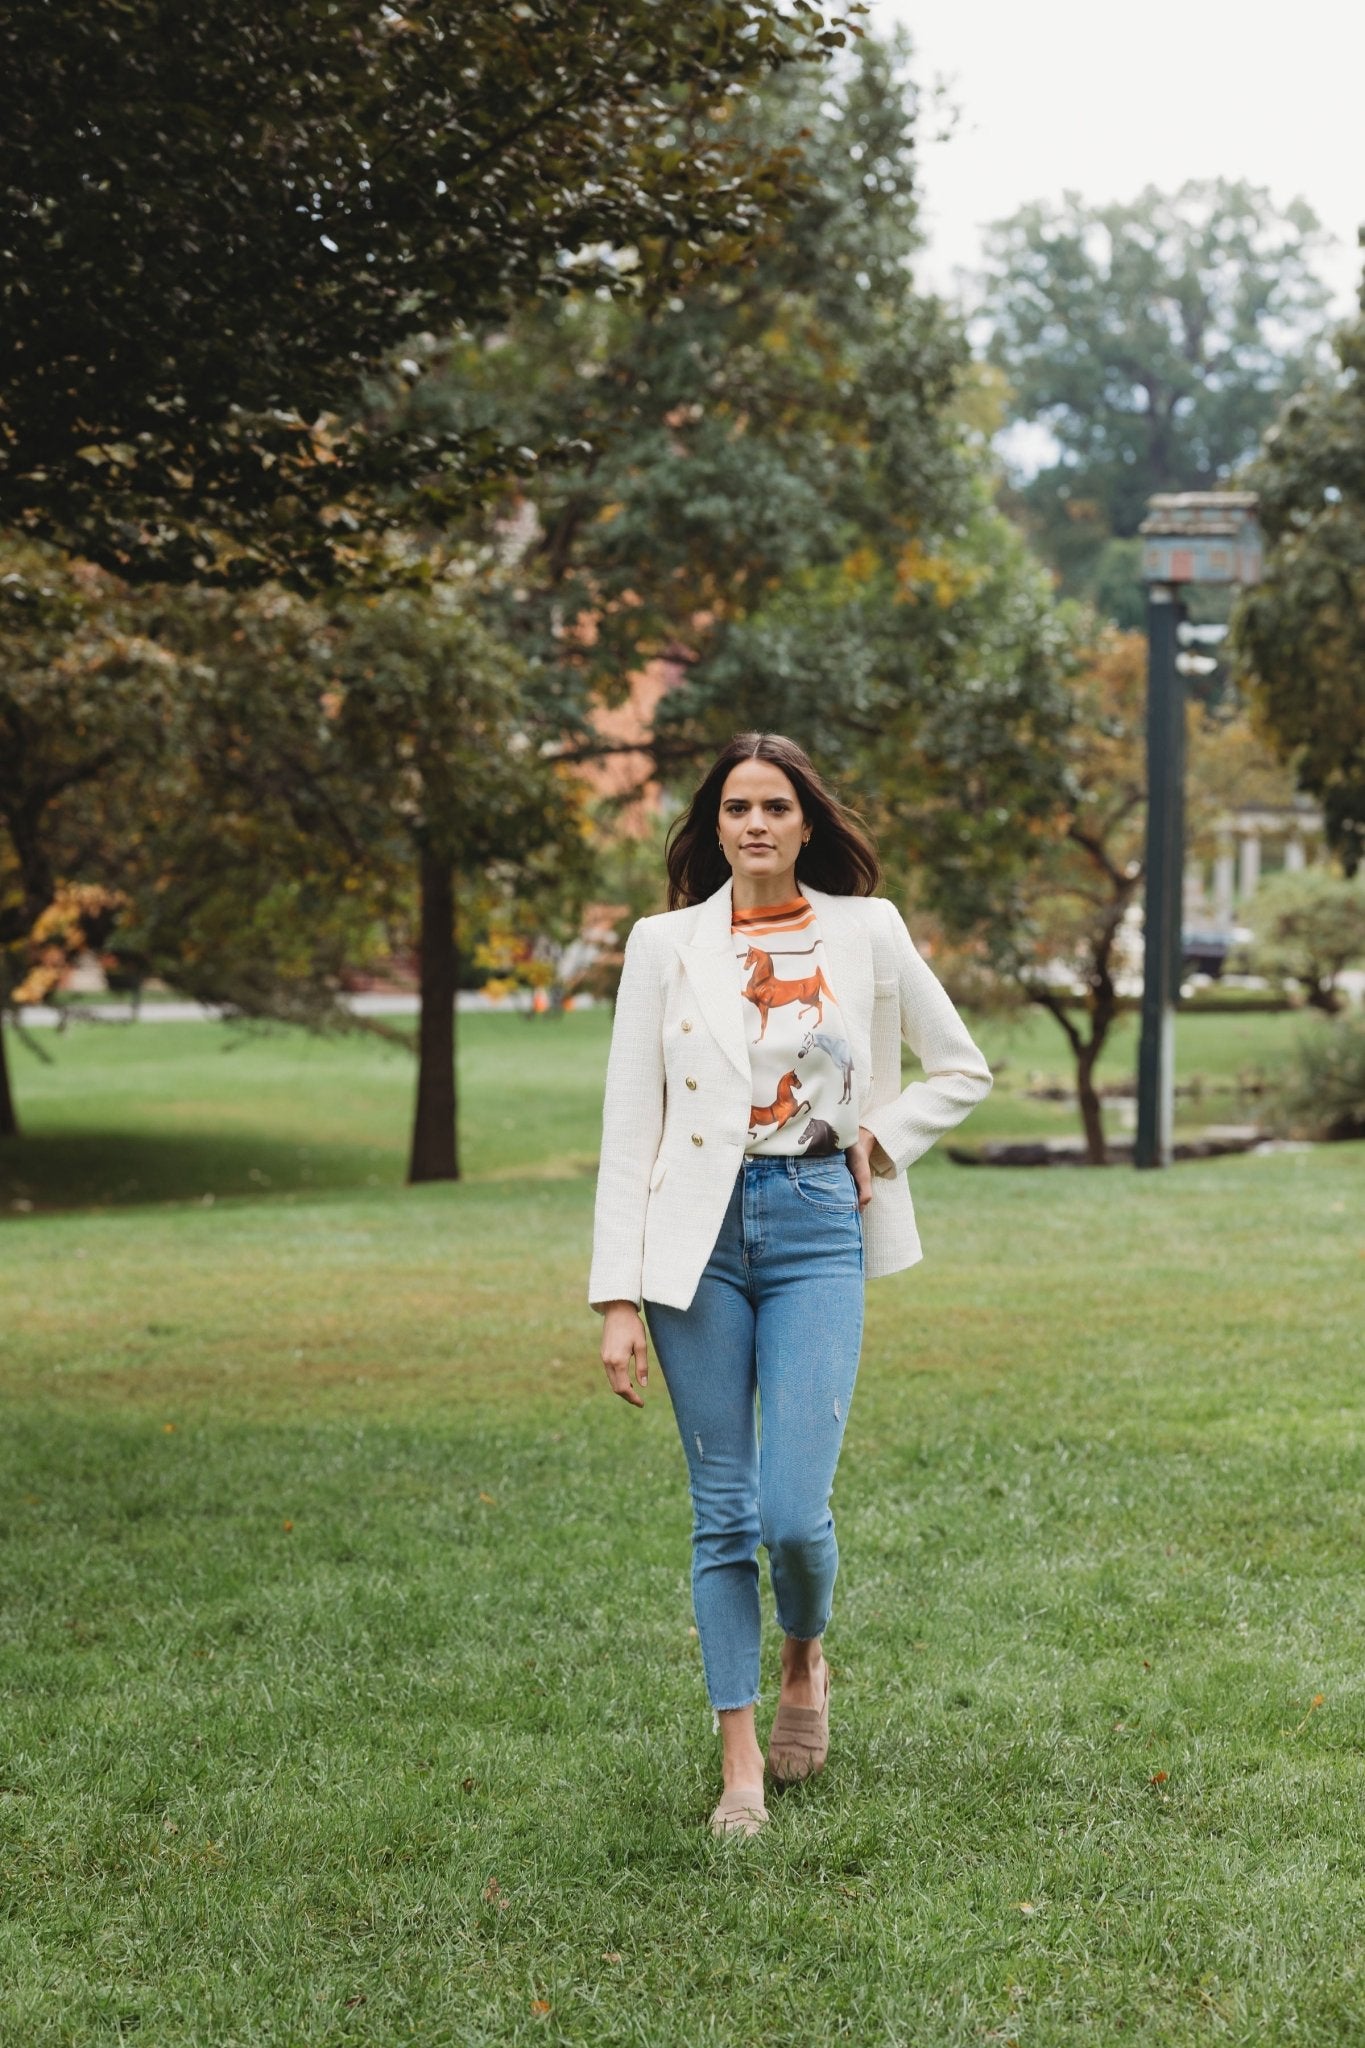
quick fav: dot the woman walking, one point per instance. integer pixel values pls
(755, 1137)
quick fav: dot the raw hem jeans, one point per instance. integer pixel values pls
(778, 1314)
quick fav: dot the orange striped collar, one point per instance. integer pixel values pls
(795, 909)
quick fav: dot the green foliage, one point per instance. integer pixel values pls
(228, 233)
(255, 777)
(1321, 1093)
(1118, 588)
(1308, 927)
(792, 500)
(1154, 340)
(1059, 901)
(432, 731)
(86, 699)
(1299, 636)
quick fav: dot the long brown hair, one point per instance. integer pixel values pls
(840, 857)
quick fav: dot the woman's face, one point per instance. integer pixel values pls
(760, 823)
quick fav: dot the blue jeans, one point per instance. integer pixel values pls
(778, 1313)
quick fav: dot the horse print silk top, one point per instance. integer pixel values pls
(803, 1098)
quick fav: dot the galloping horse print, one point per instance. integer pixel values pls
(783, 1109)
(766, 992)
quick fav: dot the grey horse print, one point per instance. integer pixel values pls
(839, 1050)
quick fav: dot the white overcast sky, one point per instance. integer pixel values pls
(1103, 100)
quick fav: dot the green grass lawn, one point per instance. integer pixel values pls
(350, 1688)
(174, 1112)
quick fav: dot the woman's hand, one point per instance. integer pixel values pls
(858, 1156)
(624, 1344)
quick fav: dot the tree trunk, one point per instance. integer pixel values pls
(435, 1146)
(9, 1122)
(1092, 1118)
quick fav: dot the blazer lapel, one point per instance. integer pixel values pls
(708, 959)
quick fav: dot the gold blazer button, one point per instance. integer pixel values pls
(686, 1024)
(690, 1082)
(696, 1138)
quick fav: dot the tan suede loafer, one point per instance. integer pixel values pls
(740, 1812)
(799, 1741)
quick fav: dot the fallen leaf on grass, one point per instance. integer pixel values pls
(1313, 1705)
(611, 1955)
(492, 1891)
(168, 1429)
(288, 1528)
(488, 1499)
(1159, 1777)
(1025, 1906)
(540, 2005)
(358, 1999)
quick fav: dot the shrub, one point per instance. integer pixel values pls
(1308, 926)
(1322, 1091)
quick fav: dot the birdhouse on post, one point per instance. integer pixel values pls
(1187, 537)
(1201, 537)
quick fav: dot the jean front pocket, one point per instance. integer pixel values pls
(829, 1187)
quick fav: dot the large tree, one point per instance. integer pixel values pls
(444, 756)
(167, 798)
(346, 763)
(1300, 633)
(87, 705)
(1056, 923)
(791, 494)
(1063, 902)
(1154, 340)
(224, 228)
(242, 793)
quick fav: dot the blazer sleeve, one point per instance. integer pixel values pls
(632, 1125)
(956, 1076)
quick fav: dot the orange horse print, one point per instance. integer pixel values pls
(783, 1109)
(767, 993)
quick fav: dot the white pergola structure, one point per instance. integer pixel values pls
(1239, 840)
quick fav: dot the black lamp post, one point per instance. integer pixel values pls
(1189, 537)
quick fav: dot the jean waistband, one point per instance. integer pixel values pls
(791, 1162)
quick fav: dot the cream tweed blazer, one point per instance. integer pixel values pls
(675, 1119)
